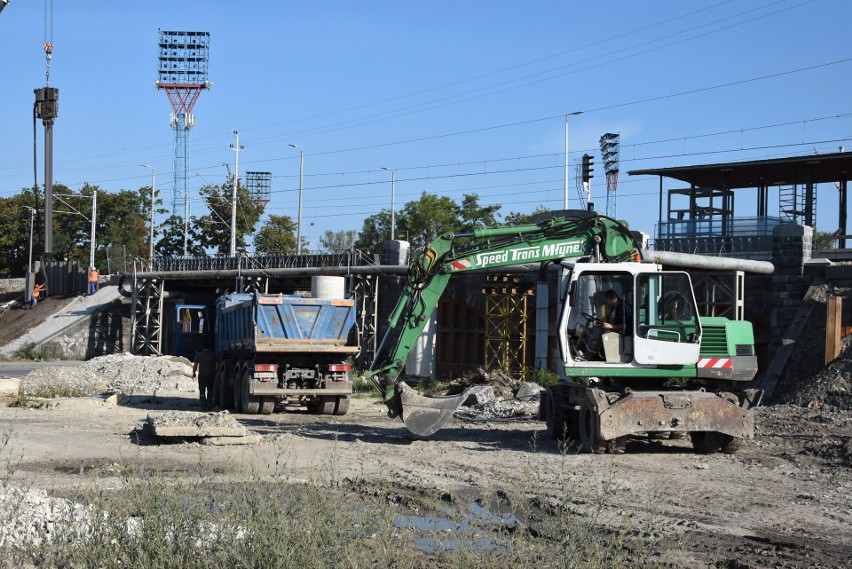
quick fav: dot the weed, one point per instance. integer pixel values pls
(30, 351)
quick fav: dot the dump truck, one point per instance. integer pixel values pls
(666, 369)
(277, 349)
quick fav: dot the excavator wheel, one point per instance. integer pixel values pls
(710, 442)
(562, 422)
(589, 439)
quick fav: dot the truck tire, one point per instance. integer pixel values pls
(341, 406)
(322, 406)
(249, 404)
(236, 388)
(267, 405)
(224, 393)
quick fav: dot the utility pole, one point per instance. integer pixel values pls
(301, 187)
(94, 216)
(151, 244)
(565, 200)
(393, 200)
(237, 149)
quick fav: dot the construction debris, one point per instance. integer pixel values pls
(496, 395)
(207, 428)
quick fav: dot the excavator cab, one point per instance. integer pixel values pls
(657, 319)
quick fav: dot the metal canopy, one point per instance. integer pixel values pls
(815, 169)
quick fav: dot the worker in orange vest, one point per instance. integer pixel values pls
(93, 280)
(37, 288)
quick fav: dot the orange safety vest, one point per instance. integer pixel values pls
(36, 290)
(93, 276)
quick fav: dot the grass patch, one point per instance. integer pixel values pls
(207, 519)
(30, 351)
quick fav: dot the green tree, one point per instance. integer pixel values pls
(337, 241)
(123, 226)
(515, 218)
(170, 243)
(213, 231)
(423, 220)
(474, 216)
(276, 235)
(374, 232)
(15, 219)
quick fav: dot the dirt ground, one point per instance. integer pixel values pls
(785, 500)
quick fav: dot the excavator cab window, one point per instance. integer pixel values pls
(666, 310)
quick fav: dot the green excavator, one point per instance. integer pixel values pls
(665, 370)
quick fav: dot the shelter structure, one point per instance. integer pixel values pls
(701, 218)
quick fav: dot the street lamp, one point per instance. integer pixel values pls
(237, 149)
(575, 113)
(299, 222)
(151, 244)
(393, 199)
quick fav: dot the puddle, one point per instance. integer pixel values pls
(469, 530)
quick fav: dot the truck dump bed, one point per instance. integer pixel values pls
(278, 323)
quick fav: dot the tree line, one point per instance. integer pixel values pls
(122, 226)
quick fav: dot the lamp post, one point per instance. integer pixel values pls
(575, 113)
(299, 221)
(393, 199)
(151, 237)
(237, 149)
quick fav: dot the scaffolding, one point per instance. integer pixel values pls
(147, 317)
(506, 323)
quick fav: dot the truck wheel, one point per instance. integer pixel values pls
(267, 405)
(341, 406)
(225, 396)
(249, 403)
(237, 390)
(322, 405)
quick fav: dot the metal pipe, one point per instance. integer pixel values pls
(689, 261)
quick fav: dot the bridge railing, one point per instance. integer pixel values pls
(226, 263)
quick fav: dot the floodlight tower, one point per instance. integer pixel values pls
(610, 149)
(182, 74)
(259, 186)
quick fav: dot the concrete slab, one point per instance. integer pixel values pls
(228, 441)
(195, 425)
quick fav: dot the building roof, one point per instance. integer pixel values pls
(814, 168)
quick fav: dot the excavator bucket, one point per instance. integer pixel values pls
(424, 415)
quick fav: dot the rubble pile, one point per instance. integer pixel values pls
(496, 395)
(131, 374)
(62, 382)
(807, 382)
(31, 517)
(118, 373)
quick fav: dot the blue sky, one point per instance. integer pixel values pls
(462, 96)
